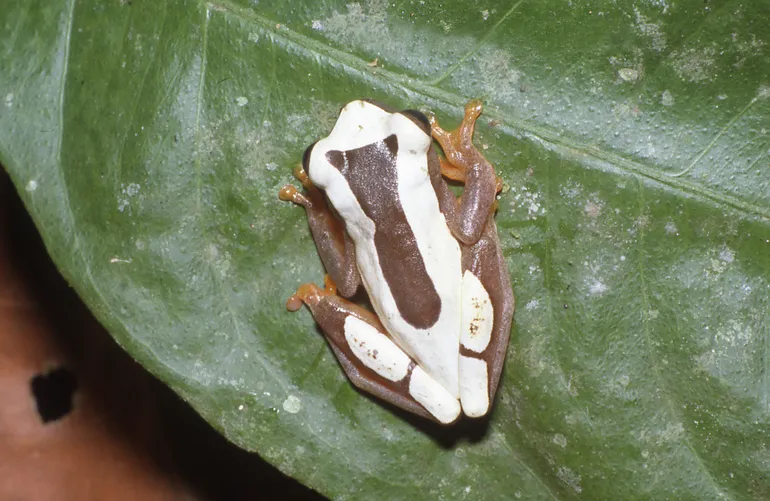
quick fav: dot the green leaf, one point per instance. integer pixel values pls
(149, 139)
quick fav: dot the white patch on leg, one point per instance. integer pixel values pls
(474, 386)
(477, 314)
(434, 397)
(376, 350)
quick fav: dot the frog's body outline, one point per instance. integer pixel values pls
(431, 263)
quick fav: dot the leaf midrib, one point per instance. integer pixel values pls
(510, 124)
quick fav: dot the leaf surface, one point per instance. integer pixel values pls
(149, 140)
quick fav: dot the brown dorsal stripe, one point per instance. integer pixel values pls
(372, 176)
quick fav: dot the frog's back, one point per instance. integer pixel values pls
(374, 169)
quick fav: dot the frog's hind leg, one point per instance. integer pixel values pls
(332, 241)
(465, 163)
(370, 358)
(487, 312)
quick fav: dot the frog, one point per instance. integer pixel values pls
(384, 217)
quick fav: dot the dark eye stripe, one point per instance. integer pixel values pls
(419, 119)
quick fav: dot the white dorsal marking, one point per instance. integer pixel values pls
(435, 348)
(434, 397)
(375, 350)
(477, 315)
(474, 386)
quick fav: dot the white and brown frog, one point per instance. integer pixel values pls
(430, 262)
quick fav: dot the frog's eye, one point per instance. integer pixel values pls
(306, 157)
(419, 119)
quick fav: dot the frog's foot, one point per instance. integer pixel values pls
(458, 144)
(302, 177)
(290, 193)
(311, 294)
(312, 196)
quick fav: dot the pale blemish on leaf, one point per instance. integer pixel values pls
(667, 99)
(748, 46)
(694, 64)
(127, 192)
(220, 263)
(241, 101)
(661, 434)
(529, 201)
(649, 30)
(292, 404)
(9, 99)
(598, 288)
(570, 478)
(726, 255)
(31, 186)
(560, 440)
(730, 355)
(592, 209)
(571, 190)
(497, 73)
(359, 25)
(628, 74)
(720, 262)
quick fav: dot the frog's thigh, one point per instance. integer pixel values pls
(487, 313)
(476, 333)
(377, 365)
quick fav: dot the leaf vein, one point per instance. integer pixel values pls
(511, 125)
(719, 134)
(477, 47)
(225, 296)
(653, 359)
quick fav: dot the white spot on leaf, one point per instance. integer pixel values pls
(560, 440)
(598, 288)
(292, 404)
(628, 74)
(667, 99)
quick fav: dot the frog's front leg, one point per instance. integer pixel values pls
(332, 241)
(370, 358)
(465, 163)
